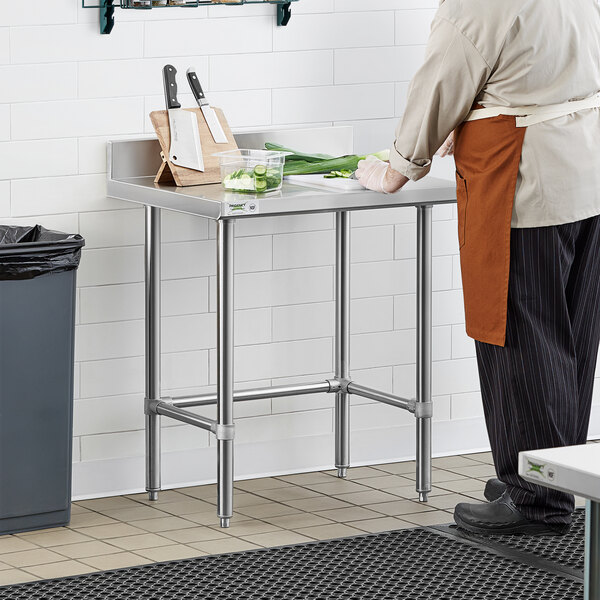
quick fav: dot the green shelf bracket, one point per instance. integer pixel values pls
(107, 16)
(284, 14)
(107, 8)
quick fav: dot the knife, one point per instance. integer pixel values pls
(186, 149)
(209, 113)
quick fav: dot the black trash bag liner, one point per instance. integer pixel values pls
(27, 252)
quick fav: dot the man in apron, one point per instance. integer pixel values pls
(518, 81)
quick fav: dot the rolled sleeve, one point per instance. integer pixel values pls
(440, 96)
(415, 169)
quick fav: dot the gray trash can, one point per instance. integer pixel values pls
(37, 321)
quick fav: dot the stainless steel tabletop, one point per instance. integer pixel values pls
(213, 202)
(133, 163)
(572, 469)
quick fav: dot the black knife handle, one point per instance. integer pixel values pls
(170, 80)
(196, 87)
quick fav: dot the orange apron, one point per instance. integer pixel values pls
(487, 154)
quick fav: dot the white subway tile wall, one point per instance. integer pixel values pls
(67, 90)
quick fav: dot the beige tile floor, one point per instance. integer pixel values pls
(110, 533)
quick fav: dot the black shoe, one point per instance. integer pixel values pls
(494, 488)
(501, 517)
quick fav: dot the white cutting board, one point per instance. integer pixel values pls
(340, 184)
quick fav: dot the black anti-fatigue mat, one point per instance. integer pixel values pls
(413, 564)
(558, 554)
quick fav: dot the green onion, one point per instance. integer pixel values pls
(299, 163)
(344, 173)
(297, 156)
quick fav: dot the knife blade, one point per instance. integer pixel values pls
(209, 113)
(186, 148)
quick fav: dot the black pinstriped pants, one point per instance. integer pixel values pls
(537, 390)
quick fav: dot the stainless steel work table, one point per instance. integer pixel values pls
(575, 470)
(132, 165)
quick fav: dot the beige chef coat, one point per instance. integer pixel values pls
(514, 53)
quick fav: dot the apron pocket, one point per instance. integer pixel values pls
(462, 199)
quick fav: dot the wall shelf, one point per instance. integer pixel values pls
(107, 8)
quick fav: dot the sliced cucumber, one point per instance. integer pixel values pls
(260, 170)
(259, 179)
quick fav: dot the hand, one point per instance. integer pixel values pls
(377, 175)
(447, 148)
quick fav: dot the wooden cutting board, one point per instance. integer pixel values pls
(170, 173)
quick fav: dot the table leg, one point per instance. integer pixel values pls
(592, 551)
(152, 269)
(424, 291)
(342, 341)
(225, 349)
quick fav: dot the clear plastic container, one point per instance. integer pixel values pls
(252, 171)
